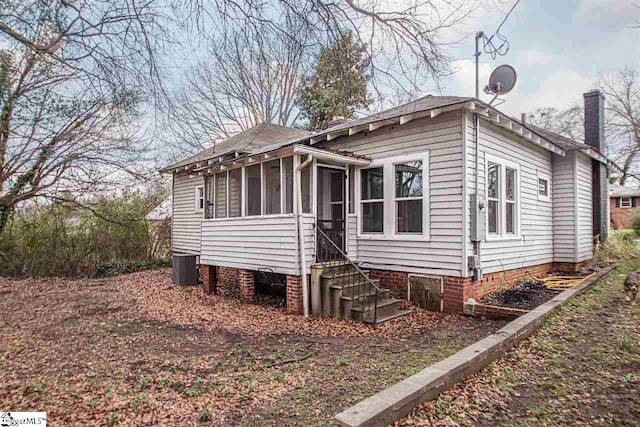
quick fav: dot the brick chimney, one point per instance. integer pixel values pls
(594, 120)
(594, 136)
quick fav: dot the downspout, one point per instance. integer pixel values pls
(300, 234)
(479, 203)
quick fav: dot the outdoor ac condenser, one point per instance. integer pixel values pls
(185, 270)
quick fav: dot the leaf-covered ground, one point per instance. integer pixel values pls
(581, 368)
(136, 350)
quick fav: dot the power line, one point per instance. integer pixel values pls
(490, 47)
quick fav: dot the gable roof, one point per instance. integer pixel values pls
(243, 142)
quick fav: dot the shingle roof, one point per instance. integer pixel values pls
(621, 191)
(268, 137)
(245, 142)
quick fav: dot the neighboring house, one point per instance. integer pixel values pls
(623, 202)
(162, 212)
(396, 193)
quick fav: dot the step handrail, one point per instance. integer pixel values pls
(361, 289)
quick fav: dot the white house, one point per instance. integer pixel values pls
(443, 190)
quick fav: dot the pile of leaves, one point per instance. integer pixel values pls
(526, 295)
(116, 268)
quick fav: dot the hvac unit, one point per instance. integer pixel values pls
(185, 270)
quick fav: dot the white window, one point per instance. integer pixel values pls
(393, 198)
(625, 202)
(372, 200)
(408, 197)
(544, 187)
(199, 198)
(503, 198)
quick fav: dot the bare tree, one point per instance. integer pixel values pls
(58, 137)
(249, 77)
(622, 89)
(622, 125)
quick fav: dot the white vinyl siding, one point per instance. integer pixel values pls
(585, 212)
(563, 196)
(533, 243)
(254, 243)
(442, 253)
(185, 222)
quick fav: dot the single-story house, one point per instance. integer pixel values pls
(624, 201)
(445, 193)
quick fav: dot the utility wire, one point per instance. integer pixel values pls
(501, 49)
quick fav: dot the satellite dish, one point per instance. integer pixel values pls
(502, 80)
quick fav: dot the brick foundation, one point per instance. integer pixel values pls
(247, 285)
(395, 281)
(457, 290)
(209, 280)
(227, 277)
(294, 294)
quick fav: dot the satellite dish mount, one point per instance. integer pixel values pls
(502, 80)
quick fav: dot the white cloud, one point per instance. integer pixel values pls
(606, 13)
(534, 57)
(559, 89)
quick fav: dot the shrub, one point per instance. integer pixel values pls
(65, 241)
(634, 219)
(111, 269)
(620, 246)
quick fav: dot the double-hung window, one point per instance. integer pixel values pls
(503, 188)
(199, 198)
(393, 198)
(408, 197)
(625, 202)
(372, 200)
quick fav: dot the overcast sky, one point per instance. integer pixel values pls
(558, 47)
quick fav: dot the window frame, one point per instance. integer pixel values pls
(545, 177)
(199, 198)
(502, 205)
(630, 202)
(389, 229)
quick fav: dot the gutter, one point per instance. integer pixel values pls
(300, 234)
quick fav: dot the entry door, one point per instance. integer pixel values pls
(331, 204)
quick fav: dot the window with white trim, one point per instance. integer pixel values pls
(235, 193)
(393, 198)
(503, 194)
(544, 187)
(625, 202)
(408, 197)
(272, 187)
(372, 200)
(199, 198)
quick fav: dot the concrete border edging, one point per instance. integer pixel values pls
(398, 400)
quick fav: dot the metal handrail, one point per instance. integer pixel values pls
(361, 289)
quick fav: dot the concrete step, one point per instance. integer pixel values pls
(387, 306)
(358, 284)
(367, 296)
(381, 319)
(339, 273)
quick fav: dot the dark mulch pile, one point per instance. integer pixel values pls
(526, 295)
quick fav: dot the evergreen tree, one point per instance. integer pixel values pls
(338, 85)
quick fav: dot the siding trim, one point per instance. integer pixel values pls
(576, 216)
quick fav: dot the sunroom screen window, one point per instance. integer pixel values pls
(235, 199)
(221, 195)
(372, 200)
(408, 183)
(287, 164)
(272, 187)
(305, 185)
(253, 190)
(493, 196)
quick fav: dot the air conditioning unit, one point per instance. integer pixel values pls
(185, 270)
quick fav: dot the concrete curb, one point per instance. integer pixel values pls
(398, 400)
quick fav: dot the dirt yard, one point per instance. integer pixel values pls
(135, 350)
(581, 368)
